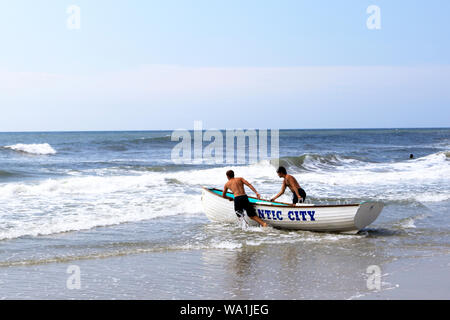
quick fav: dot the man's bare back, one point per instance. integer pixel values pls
(291, 182)
(236, 185)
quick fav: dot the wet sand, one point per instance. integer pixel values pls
(417, 278)
(312, 266)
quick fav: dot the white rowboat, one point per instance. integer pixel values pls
(346, 218)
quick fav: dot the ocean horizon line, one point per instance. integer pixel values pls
(223, 129)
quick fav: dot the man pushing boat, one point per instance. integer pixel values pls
(241, 202)
(292, 183)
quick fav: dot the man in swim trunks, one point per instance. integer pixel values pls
(241, 201)
(291, 182)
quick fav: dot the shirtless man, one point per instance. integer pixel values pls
(291, 182)
(241, 202)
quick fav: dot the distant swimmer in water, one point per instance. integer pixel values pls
(241, 202)
(411, 156)
(291, 182)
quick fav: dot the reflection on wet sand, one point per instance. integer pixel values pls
(294, 270)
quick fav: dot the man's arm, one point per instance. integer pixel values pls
(283, 189)
(224, 193)
(251, 187)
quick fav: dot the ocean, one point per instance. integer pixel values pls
(115, 206)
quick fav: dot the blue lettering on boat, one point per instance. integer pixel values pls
(292, 215)
(273, 215)
(303, 213)
(279, 213)
(261, 213)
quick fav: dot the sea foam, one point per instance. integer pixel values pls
(34, 148)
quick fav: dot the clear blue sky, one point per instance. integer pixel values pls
(252, 64)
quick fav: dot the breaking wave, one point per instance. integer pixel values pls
(34, 148)
(315, 161)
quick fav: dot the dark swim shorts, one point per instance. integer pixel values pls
(302, 193)
(241, 203)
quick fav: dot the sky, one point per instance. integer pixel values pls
(155, 65)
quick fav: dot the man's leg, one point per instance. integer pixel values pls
(238, 208)
(251, 213)
(294, 199)
(258, 219)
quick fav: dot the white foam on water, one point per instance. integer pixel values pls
(215, 244)
(79, 203)
(408, 224)
(34, 148)
(228, 245)
(423, 179)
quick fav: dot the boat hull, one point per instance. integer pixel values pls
(323, 218)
